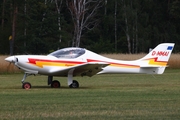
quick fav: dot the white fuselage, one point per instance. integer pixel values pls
(79, 61)
(45, 65)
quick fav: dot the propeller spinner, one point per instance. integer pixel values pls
(12, 59)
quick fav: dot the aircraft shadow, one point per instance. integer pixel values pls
(62, 87)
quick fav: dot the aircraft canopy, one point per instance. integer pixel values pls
(68, 53)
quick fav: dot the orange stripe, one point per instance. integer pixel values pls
(154, 61)
(116, 64)
(41, 63)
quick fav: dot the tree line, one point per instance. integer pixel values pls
(103, 26)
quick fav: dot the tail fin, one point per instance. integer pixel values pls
(156, 61)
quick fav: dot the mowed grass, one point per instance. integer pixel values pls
(101, 97)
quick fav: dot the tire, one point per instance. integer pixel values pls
(55, 84)
(26, 85)
(75, 84)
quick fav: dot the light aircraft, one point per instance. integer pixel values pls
(73, 61)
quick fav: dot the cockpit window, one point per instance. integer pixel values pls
(68, 53)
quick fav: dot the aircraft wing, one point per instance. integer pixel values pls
(87, 69)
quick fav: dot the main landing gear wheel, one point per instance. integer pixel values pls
(74, 84)
(26, 85)
(55, 84)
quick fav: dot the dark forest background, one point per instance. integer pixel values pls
(103, 26)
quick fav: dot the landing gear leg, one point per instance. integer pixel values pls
(50, 79)
(70, 76)
(26, 85)
(72, 83)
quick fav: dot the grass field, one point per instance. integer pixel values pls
(103, 97)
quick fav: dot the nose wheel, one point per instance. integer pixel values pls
(26, 85)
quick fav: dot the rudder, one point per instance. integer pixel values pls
(157, 59)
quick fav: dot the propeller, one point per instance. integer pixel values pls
(9, 66)
(11, 59)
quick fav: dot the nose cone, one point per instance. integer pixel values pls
(10, 59)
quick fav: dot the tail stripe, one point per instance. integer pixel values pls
(156, 61)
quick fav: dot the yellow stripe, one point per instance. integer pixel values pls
(41, 64)
(124, 66)
(152, 62)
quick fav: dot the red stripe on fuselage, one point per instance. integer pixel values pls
(33, 61)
